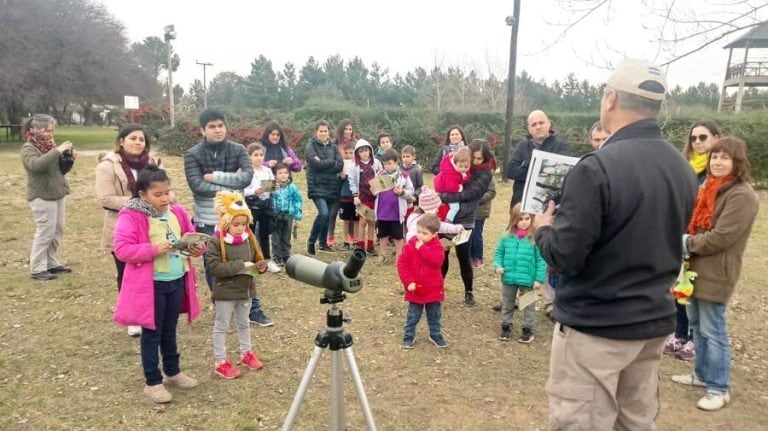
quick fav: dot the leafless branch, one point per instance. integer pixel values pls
(707, 43)
(586, 13)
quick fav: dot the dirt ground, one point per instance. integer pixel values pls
(65, 365)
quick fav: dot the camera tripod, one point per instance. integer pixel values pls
(338, 340)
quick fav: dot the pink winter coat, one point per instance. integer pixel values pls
(423, 267)
(136, 301)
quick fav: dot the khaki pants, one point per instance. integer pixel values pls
(603, 384)
(49, 231)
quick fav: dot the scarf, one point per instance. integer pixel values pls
(127, 163)
(522, 233)
(43, 141)
(698, 162)
(144, 207)
(455, 147)
(228, 238)
(489, 165)
(705, 203)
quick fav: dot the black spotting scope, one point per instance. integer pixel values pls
(336, 276)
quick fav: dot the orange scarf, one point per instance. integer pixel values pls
(705, 203)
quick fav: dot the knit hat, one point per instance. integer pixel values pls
(228, 205)
(428, 200)
(639, 77)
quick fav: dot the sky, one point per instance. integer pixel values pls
(403, 34)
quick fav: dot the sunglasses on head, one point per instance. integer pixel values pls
(702, 138)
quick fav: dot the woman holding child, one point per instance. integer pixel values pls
(483, 165)
(715, 240)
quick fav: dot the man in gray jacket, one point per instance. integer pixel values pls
(212, 165)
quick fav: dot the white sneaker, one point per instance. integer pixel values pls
(689, 379)
(713, 401)
(134, 331)
(272, 266)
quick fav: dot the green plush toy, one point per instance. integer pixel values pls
(684, 287)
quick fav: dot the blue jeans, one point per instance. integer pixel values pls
(208, 230)
(712, 364)
(168, 298)
(319, 230)
(414, 315)
(476, 240)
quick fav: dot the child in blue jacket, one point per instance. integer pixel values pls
(519, 262)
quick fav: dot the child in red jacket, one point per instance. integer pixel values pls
(454, 173)
(419, 268)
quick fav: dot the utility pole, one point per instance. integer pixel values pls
(205, 83)
(514, 22)
(170, 34)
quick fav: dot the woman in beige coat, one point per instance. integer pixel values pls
(717, 235)
(115, 180)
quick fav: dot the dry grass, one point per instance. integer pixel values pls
(65, 365)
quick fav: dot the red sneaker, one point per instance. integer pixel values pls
(226, 370)
(251, 361)
(331, 241)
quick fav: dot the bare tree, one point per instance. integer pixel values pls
(680, 28)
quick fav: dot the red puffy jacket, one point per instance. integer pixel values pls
(423, 267)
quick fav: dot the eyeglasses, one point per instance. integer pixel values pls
(702, 138)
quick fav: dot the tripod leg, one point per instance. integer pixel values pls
(302, 390)
(337, 392)
(359, 389)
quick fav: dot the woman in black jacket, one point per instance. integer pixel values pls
(483, 165)
(324, 163)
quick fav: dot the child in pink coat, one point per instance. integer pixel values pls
(159, 282)
(420, 270)
(454, 173)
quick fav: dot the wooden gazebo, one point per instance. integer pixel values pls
(751, 72)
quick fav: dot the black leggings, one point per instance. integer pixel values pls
(120, 269)
(465, 264)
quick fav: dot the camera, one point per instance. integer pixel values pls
(66, 161)
(335, 277)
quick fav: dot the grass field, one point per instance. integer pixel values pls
(65, 366)
(84, 138)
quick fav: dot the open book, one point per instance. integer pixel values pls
(460, 238)
(544, 183)
(381, 183)
(267, 186)
(189, 239)
(365, 212)
(526, 299)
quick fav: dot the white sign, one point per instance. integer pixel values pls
(131, 102)
(546, 173)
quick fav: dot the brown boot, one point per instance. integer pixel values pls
(158, 393)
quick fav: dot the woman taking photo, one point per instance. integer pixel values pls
(115, 183)
(46, 165)
(715, 241)
(483, 165)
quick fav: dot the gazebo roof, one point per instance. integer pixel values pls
(757, 38)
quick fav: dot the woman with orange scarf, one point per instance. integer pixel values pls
(722, 221)
(701, 136)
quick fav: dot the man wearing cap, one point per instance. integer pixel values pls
(615, 244)
(540, 137)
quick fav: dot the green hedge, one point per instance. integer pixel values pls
(426, 130)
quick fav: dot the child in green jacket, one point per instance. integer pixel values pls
(518, 261)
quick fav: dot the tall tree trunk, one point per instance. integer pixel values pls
(88, 113)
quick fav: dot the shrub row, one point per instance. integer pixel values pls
(426, 130)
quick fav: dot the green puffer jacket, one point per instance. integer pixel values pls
(230, 285)
(520, 259)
